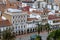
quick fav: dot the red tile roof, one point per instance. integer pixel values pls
(31, 19)
(41, 12)
(26, 8)
(45, 10)
(36, 11)
(4, 23)
(51, 17)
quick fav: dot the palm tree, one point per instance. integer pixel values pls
(48, 27)
(39, 28)
(8, 35)
(54, 35)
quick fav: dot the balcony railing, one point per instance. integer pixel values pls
(55, 23)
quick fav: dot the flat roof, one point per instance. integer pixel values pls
(28, 1)
(15, 13)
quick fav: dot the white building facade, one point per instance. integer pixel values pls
(20, 22)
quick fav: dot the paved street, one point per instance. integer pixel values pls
(44, 35)
(27, 36)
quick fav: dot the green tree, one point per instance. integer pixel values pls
(54, 35)
(39, 28)
(47, 27)
(38, 38)
(8, 35)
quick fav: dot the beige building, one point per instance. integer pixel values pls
(18, 20)
(22, 24)
(4, 25)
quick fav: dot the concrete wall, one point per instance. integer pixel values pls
(39, 0)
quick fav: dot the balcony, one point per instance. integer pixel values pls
(55, 23)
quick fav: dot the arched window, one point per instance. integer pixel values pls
(19, 32)
(27, 30)
(18, 0)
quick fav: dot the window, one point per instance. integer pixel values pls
(16, 16)
(21, 20)
(27, 15)
(16, 27)
(21, 26)
(24, 20)
(44, 13)
(19, 32)
(13, 22)
(34, 0)
(16, 21)
(18, 0)
(13, 17)
(12, 27)
(24, 26)
(6, 28)
(19, 17)
(16, 32)
(24, 15)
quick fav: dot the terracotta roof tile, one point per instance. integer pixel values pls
(26, 8)
(41, 12)
(46, 10)
(37, 12)
(31, 19)
(51, 17)
(4, 23)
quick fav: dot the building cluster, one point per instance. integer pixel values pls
(23, 15)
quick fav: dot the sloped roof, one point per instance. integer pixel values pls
(4, 23)
(31, 19)
(51, 17)
(2, 7)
